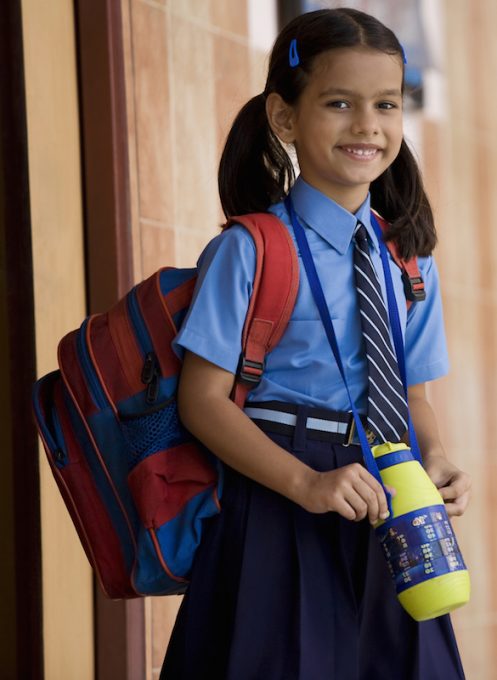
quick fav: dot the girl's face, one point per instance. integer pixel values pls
(347, 123)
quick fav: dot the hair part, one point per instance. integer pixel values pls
(255, 171)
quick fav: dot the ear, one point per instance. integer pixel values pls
(281, 117)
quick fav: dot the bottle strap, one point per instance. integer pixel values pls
(324, 313)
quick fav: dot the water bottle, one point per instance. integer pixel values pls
(419, 543)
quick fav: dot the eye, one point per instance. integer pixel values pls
(387, 106)
(338, 104)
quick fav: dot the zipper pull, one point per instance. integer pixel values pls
(150, 376)
(149, 369)
(153, 389)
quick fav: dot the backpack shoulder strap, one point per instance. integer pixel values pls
(273, 297)
(414, 287)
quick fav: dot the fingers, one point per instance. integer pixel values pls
(459, 485)
(456, 495)
(457, 507)
(366, 501)
(351, 491)
(363, 494)
(344, 509)
(375, 497)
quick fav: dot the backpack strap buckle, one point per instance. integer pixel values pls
(250, 372)
(414, 287)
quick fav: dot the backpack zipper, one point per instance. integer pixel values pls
(150, 377)
(151, 370)
(141, 332)
(92, 380)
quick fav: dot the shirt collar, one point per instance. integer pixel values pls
(332, 222)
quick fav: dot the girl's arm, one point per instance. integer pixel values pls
(453, 484)
(207, 411)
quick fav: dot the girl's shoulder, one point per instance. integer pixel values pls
(235, 241)
(229, 259)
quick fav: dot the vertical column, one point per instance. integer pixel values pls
(59, 296)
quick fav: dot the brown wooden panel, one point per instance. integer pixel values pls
(119, 626)
(104, 147)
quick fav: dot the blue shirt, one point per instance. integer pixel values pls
(302, 369)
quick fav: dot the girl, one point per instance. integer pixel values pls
(289, 581)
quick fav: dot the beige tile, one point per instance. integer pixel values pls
(477, 645)
(158, 248)
(232, 69)
(164, 611)
(190, 243)
(259, 62)
(484, 232)
(152, 106)
(482, 58)
(458, 246)
(458, 64)
(194, 111)
(484, 494)
(230, 16)
(432, 160)
(460, 394)
(197, 10)
(132, 142)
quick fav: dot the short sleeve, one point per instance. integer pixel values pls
(213, 326)
(426, 348)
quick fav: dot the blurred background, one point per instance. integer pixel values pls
(113, 115)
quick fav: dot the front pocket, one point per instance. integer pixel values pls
(151, 431)
(162, 484)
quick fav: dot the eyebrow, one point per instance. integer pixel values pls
(382, 93)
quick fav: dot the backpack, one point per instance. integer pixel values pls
(138, 486)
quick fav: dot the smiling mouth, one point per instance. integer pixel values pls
(363, 153)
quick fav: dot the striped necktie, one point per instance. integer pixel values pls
(387, 407)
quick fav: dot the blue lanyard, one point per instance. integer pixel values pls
(324, 313)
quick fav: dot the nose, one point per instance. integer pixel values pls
(365, 122)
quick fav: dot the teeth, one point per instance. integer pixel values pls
(361, 152)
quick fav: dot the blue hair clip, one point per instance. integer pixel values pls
(403, 54)
(293, 55)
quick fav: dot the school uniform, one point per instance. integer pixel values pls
(278, 593)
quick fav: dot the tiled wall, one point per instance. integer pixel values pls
(190, 65)
(189, 69)
(462, 172)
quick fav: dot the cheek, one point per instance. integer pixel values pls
(396, 135)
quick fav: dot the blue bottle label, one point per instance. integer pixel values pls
(419, 546)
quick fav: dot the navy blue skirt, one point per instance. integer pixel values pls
(278, 593)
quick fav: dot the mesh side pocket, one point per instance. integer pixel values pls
(154, 431)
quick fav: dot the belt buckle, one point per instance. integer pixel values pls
(370, 435)
(352, 430)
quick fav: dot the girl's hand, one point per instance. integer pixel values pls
(453, 484)
(350, 490)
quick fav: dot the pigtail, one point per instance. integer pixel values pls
(254, 171)
(399, 196)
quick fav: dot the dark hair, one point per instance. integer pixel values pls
(255, 171)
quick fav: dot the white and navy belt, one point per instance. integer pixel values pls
(337, 427)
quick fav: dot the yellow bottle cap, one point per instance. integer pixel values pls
(387, 447)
